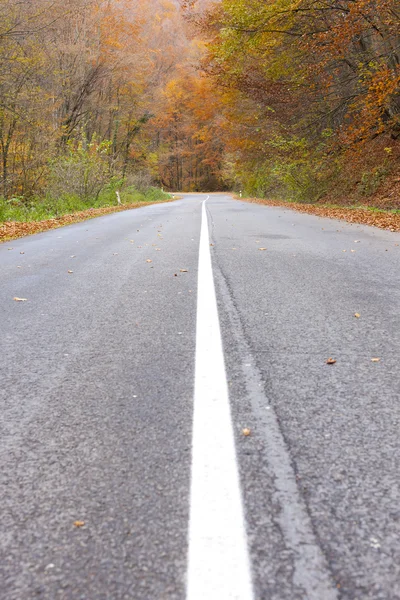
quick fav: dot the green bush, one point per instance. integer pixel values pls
(40, 209)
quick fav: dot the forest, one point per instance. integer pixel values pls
(291, 99)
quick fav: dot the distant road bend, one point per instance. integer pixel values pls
(170, 425)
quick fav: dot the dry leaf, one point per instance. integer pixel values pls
(262, 248)
(246, 432)
(331, 361)
(20, 299)
(79, 523)
(115, 254)
(22, 252)
(211, 244)
(149, 260)
(70, 272)
(184, 271)
(357, 315)
(375, 359)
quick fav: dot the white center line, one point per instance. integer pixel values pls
(219, 566)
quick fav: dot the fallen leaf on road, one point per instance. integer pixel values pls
(10, 248)
(184, 271)
(357, 241)
(357, 315)
(73, 256)
(79, 523)
(375, 360)
(246, 432)
(22, 252)
(70, 272)
(331, 361)
(149, 261)
(115, 254)
(211, 244)
(20, 299)
(262, 248)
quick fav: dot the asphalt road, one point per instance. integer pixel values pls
(97, 389)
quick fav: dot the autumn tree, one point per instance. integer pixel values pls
(310, 81)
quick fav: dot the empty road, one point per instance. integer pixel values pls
(170, 428)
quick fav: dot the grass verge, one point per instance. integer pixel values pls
(10, 230)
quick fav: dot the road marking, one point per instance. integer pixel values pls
(219, 566)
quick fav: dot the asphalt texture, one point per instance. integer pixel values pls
(96, 397)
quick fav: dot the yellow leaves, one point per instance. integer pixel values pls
(357, 315)
(79, 524)
(262, 248)
(16, 299)
(246, 432)
(375, 360)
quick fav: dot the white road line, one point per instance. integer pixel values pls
(219, 566)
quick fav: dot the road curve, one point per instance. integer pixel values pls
(163, 399)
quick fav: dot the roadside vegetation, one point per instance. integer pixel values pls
(41, 209)
(286, 100)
